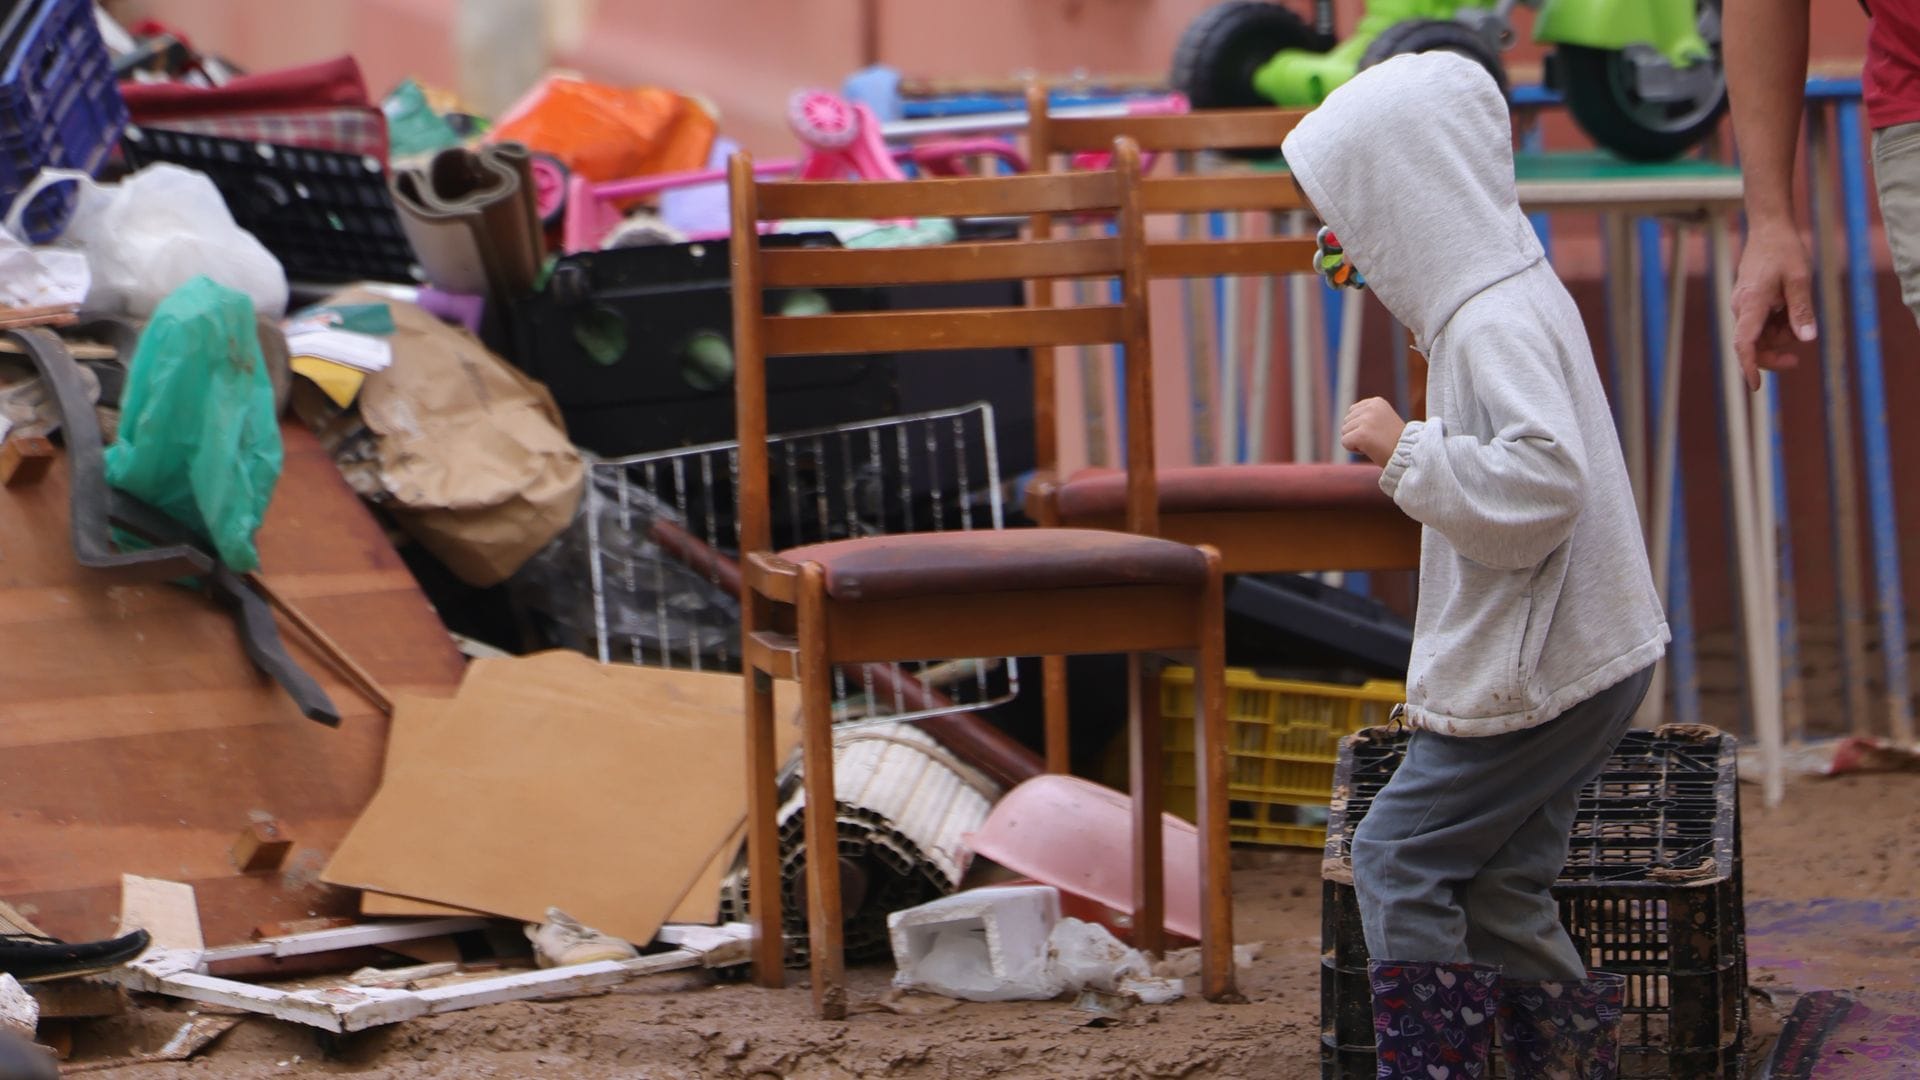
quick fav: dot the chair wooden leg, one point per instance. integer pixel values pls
(1145, 751)
(825, 921)
(1053, 685)
(763, 834)
(1210, 742)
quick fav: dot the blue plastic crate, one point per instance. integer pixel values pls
(59, 104)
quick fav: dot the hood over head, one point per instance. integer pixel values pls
(1411, 164)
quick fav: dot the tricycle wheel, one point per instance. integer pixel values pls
(1606, 91)
(1436, 35)
(1220, 51)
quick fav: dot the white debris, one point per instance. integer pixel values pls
(18, 1010)
(1010, 944)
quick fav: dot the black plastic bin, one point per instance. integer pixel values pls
(1651, 891)
(636, 345)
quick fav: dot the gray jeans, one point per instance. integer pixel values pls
(1896, 171)
(1455, 861)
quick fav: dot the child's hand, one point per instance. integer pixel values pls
(1372, 428)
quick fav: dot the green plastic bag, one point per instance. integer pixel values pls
(198, 437)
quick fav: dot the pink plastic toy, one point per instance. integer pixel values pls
(845, 139)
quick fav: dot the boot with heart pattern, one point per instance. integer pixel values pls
(1432, 1021)
(1563, 1030)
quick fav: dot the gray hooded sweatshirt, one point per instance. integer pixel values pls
(1535, 589)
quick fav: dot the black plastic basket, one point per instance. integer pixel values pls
(1651, 890)
(325, 215)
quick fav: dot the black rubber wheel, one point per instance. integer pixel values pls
(1216, 59)
(1598, 85)
(1435, 35)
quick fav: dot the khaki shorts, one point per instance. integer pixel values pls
(1896, 169)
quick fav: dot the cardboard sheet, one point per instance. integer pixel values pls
(607, 791)
(701, 905)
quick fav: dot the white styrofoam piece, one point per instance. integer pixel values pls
(979, 945)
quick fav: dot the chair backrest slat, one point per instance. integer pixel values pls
(945, 264)
(1111, 196)
(997, 196)
(1208, 258)
(1205, 194)
(1214, 129)
(956, 328)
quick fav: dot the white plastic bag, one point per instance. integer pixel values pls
(152, 233)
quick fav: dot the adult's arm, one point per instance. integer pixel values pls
(1765, 43)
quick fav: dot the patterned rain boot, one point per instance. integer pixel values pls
(1432, 1021)
(1562, 1030)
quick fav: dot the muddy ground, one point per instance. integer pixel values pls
(1853, 837)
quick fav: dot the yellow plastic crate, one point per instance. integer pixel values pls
(1283, 740)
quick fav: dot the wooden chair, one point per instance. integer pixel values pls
(1278, 517)
(983, 593)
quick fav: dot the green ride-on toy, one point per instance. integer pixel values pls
(1642, 77)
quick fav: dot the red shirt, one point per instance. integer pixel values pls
(1891, 80)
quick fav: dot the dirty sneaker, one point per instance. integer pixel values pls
(562, 941)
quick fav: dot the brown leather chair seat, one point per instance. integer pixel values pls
(998, 560)
(1203, 489)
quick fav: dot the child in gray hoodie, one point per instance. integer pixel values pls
(1538, 622)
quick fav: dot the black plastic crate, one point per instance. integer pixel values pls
(636, 346)
(1293, 621)
(1651, 890)
(325, 215)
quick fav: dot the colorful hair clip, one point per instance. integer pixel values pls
(1330, 262)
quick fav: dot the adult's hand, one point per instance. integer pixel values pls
(1765, 42)
(1772, 301)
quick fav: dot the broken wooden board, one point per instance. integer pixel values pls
(554, 764)
(356, 1008)
(138, 738)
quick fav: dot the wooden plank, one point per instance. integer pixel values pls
(351, 937)
(25, 460)
(1206, 258)
(998, 196)
(262, 847)
(79, 350)
(166, 910)
(1011, 260)
(1213, 191)
(956, 328)
(1212, 129)
(139, 739)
